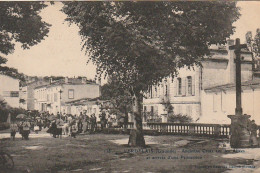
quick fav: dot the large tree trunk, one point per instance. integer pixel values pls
(136, 137)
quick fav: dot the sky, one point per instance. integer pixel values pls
(60, 53)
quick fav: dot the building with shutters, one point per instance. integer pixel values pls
(185, 92)
(9, 90)
(52, 97)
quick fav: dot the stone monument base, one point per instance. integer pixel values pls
(240, 134)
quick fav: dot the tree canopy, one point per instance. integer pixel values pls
(141, 43)
(144, 42)
(20, 22)
(253, 43)
(119, 97)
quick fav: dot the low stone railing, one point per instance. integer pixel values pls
(199, 129)
(217, 130)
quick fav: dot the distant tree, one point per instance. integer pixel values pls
(20, 22)
(179, 118)
(12, 72)
(142, 43)
(254, 44)
(119, 97)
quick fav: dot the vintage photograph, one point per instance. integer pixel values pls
(130, 86)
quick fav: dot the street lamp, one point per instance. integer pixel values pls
(60, 91)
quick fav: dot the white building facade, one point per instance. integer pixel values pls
(220, 101)
(52, 97)
(185, 92)
(9, 90)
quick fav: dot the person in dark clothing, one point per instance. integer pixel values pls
(93, 121)
(80, 126)
(253, 133)
(103, 120)
(88, 124)
(53, 129)
(125, 121)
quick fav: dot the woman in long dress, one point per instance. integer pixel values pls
(53, 129)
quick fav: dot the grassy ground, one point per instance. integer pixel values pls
(96, 153)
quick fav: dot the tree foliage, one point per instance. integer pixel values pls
(20, 22)
(144, 42)
(253, 43)
(118, 96)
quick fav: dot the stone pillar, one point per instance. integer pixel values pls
(191, 129)
(164, 118)
(240, 134)
(217, 130)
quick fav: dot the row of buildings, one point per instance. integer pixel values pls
(58, 96)
(206, 93)
(50, 96)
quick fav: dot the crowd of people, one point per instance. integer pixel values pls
(23, 127)
(64, 124)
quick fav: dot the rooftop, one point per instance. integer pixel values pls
(86, 101)
(251, 84)
(67, 81)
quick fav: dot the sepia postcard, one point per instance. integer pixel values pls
(130, 86)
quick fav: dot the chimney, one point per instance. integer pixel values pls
(66, 80)
(230, 42)
(50, 80)
(84, 80)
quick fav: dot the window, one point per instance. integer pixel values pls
(159, 90)
(151, 109)
(189, 79)
(48, 97)
(155, 91)
(14, 94)
(155, 109)
(166, 90)
(179, 86)
(55, 97)
(11, 93)
(71, 94)
(215, 102)
(145, 109)
(223, 102)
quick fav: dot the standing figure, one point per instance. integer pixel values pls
(53, 129)
(80, 126)
(74, 130)
(14, 129)
(87, 121)
(103, 120)
(26, 129)
(126, 121)
(253, 134)
(59, 124)
(93, 123)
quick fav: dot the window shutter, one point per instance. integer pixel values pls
(156, 110)
(175, 87)
(187, 86)
(193, 85)
(184, 81)
(159, 90)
